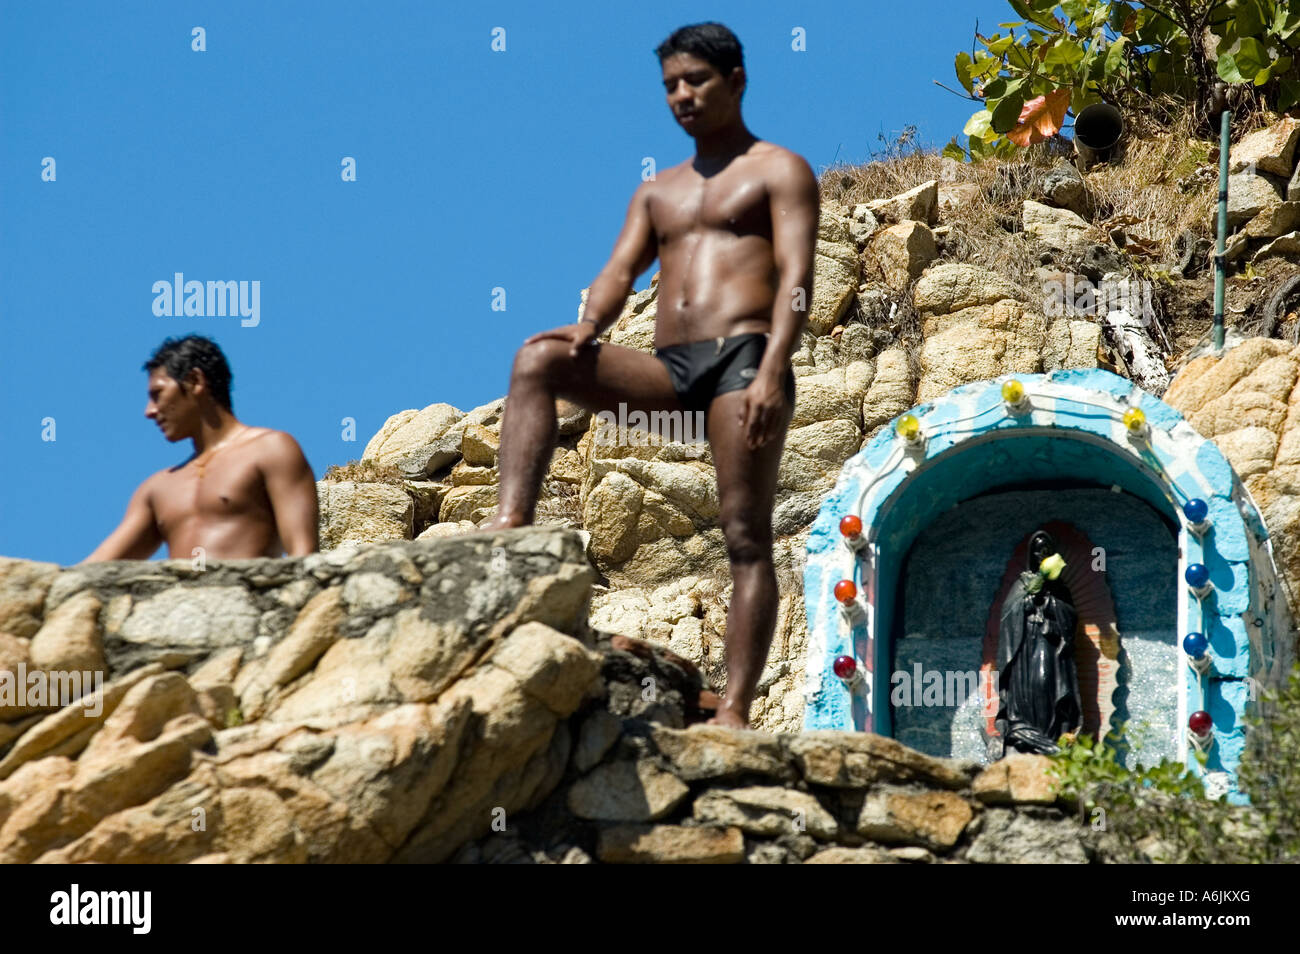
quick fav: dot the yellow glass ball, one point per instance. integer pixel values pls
(1013, 392)
(1134, 419)
(908, 427)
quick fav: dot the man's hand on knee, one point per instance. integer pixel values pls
(579, 336)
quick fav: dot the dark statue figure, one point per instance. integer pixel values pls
(1038, 685)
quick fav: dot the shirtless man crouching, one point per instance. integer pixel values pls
(244, 492)
(734, 229)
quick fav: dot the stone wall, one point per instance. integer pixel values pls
(368, 706)
(424, 701)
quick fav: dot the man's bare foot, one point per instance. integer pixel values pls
(502, 522)
(729, 716)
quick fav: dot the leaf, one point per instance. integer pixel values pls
(1006, 112)
(1286, 23)
(1227, 69)
(1064, 53)
(1250, 18)
(1251, 56)
(978, 124)
(1076, 10)
(1288, 95)
(1115, 55)
(954, 151)
(1041, 118)
(998, 46)
(963, 66)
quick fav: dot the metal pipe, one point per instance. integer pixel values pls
(1219, 104)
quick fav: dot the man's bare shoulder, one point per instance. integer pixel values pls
(781, 161)
(271, 445)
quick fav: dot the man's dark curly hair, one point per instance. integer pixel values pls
(179, 356)
(711, 42)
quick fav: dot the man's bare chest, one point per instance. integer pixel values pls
(221, 489)
(729, 202)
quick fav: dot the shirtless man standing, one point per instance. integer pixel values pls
(734, 229)
(244, 492)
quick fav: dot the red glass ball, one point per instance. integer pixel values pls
(1200, 722)
(851, 525)
(845, 667)
(845, 591)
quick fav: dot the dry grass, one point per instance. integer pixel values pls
(1165, 184)
(364, 471)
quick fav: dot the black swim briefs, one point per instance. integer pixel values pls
(701, 370)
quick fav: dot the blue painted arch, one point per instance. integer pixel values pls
(1072, 428)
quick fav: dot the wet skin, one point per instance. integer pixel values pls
(734, 229)
(245, 492)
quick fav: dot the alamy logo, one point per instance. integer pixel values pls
(103, 907)
(52, 689)
(944, 688)
(639, 429)
(193, 299)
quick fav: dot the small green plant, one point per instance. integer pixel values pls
(1161, 812)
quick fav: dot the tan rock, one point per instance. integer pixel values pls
(835, 278)
(1271, 149)
(15, 660)
(814, 454)
(480, 445)
(768, 811)
(852, 760)
(1019, 777)
(933, 819)
(470, 502)
(352, 512)
(951, 287)
(1071, 343)
(1249, 195)
(1287, 246)
(919, 204)
(709, 751)
(143, 747)
(626, 791)
(1274, 221)
(1057, 228)
(437, 531)
(979, 343)
(73, 722)
(903, 251)
(70, 638)
(317, 627)
(407, 433)
(468, 475)
(23, 586)
(892, 391)
(670, 844)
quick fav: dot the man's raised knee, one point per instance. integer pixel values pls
(540, 358)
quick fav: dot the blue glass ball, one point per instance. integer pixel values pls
(1196, 509)
(1197, 575)
(1194, 644)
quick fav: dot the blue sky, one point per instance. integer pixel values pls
(475, 169)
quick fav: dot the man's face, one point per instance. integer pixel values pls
(700, 97)
(175, 409)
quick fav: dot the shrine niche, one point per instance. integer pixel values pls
(1167, 564)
